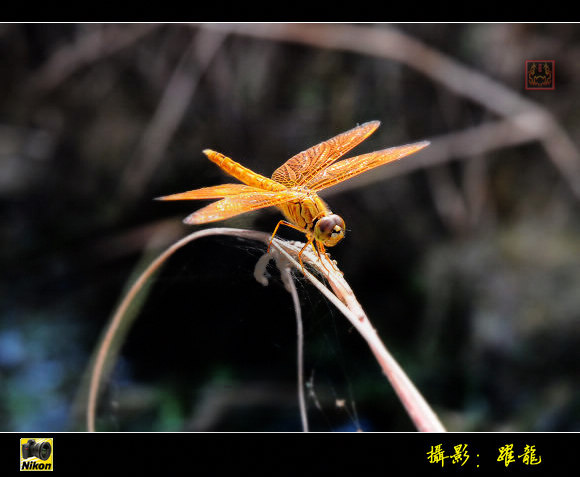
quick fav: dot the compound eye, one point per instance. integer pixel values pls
(330, 229)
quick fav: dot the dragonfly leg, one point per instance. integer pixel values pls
(322, 251)
(310, 241)
(282, 222)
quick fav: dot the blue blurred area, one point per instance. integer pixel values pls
(38, 362)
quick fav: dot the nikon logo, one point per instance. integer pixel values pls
(36, 454)
(35, 465)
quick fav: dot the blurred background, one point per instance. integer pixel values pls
(466, 256)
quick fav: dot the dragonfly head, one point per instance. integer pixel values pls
(329, 230)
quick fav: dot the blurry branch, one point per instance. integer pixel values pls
(469, 142)
(174, 102)
(88, 48)
(448, 199)
(389, 43)
(155, 234)
(285, 254)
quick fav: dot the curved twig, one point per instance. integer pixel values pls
(343, 298)
(286, 276)
(117, 318)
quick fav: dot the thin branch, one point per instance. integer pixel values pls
(175, 100)
(291, 287)
(343, 298)
(108, 338)
(90, 47)
(286, 275)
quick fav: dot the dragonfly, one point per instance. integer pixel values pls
(293, 187)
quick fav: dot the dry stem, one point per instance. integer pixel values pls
(343, 298)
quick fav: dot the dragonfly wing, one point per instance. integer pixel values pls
(238, 204)
(299, 169)
(353, 166)
(213, 192)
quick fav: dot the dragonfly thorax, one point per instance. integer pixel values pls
(329, 230)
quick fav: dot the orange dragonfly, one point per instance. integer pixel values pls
(294, 185)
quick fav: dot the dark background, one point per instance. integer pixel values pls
(466, 257)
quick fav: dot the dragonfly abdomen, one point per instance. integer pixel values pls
(242, 173)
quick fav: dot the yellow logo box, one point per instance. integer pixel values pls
(36, 453)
